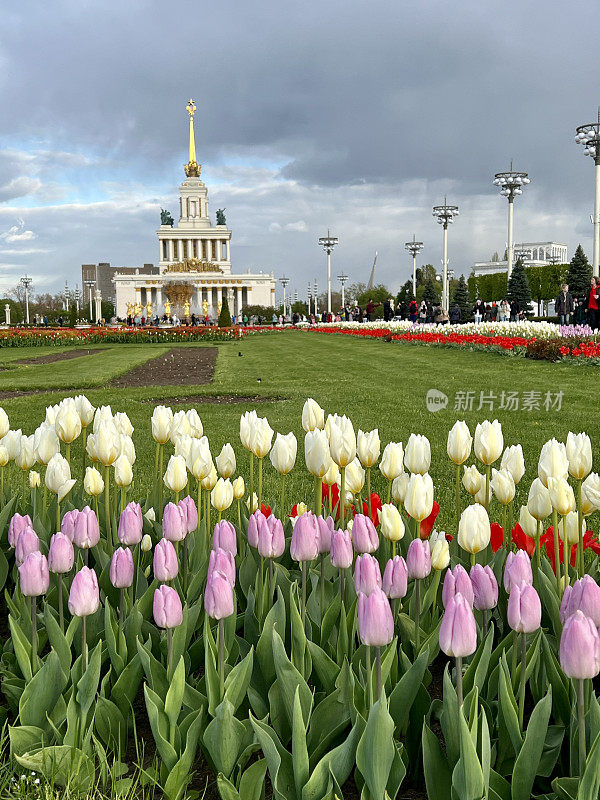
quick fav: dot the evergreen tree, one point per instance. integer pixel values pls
(518, 286)
(461, 296)
(225, 316)
(579, 274)
(430, 293)
(405, 294)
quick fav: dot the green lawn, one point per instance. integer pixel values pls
(377, 384)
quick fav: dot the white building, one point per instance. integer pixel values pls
(195, 253)
(534, 254)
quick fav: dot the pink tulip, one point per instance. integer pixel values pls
(367, 574)
(485, 587)
(517, 569)
(271, 539)
(174, 523)
(375, 621)
(222, 561)
(130, 525)
(395, 578)
(164, 562)
(326, 528)
(583, 595)
(580, 647)
(84, 597)
(27, 542)
(60, 554)
(166, 607)
(121, 568)
(364, 535)
(457, 581)
(87, 530)
(458, 631)
(218, 596)
(418, 559)
(341, 549)
(191, 513)
(256, 519)
(305, 538)
(524, 611)
(18, 524)
(67, 526)
(33, 575)
(224, 537)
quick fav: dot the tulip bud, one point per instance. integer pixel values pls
(326, 527)
(224, 537)
(458, 631)
(283, 454)
(18, 524)
(4, 459)
(503, 486)
(261, 437)
(247, 421)
(440, 552)
(166, 607)
(130, 525)
(45, 443)
(190, 512)
(218, 596)
(123, 424)
(209, 483)
(561, 495)
(301, 508)
(123, 472)
(580, 647)
(239, 488)
(255, 520)
(58, 476)
(391, 465)
(342, 442)
(457, 581)
(368, 447)
(12, 442)
(146, 543)
(305, 538)
(489, 441)
(313, 415)
(25, 458)
(517, 569)
(150, 515)
(569, 532)
(67, 423)
(539, 504)
(174, 523)
(199, 459)
(85, 410)
(271, 539)
(84, 597)
(399, 487)
(418, 501)
(418, 559)
(61, 556)
(175, 477)
(375, 621)
(485, 587)
(579, 455)
(164, 562)
(93, 482)
(67, 526)
(316, 453)
(354, 477)
(341, 550)
(226, 461)
(417, 456)
(524, 611)
(121, 568)
(474, 530)
(584, 596)
(553, 461)
(252, 503)
(392, 526)
(590, 494)
(364, 535)
(34, 479)
(107, 444)
(472, 480)
(180, 426)
(27, 543)
(33, 575)
(197, 429)
(513, 461)
(459, 443)
(86, 533)
(221, 496)
(222, 561)
(395, 578)
(527, 522)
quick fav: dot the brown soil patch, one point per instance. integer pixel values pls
(212, 399)
(64, 355)
(182, 366)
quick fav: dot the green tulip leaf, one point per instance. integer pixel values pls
(279, 761)
(25, 739)
(289, 679)
(174, 696)
(375, 751)
(438, 779)
(405, 691)
(238, 680)
(63, 765)
(111, 725)
(467, 777)
(528, 759)
(42, 692)
(224, 738)
(180, 774)
(337, 763)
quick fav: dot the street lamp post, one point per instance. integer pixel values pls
(77, 299)
(67, 296)
(90, 284)
(328, 243)
(309, 298)
(284, 282)
(445, 215)
(26, 281)
(589, 137)
(316, 288)
(414, 248)
(511, 184)
(342, 279)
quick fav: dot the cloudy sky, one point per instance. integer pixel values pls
(355, 116)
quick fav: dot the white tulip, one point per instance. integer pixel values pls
(440, 551)
(399, 486)
(489, 441)
(474, 530)
(417, 455)
(208, 483)
(553, 461)
(3, 456)
(513, 461)
(331, 419)
(283, 454)
(502, 485)
(12, 442)
(26, 456)
(527, 522)
(102, 416)
(392, 461)
(247, 422)
(579, 454)
(93, 483)
(472, 480)
(590, 494)
(539, 504)
(45, 442)
(332, 475)
(4, 423)
(221, 496)
(51, 412)
(180, 426)
(354, 477)
(480, 495)
(569, 532)
(368, 447)
(162, 418)
(313, 415)
(150, 515)
(107, 445)
(34, 479)
(200, 461)
(146, 543)
(392, 526)
(85, 410)
(342, 442)
(90, 448)
(239, 488)
(182, 446)
(197, 429)
(459, 442)
(127, 448)
(123, 424)
(226, 461)
(58, 477)
(175, 477)
(316, 452)
(418, 500)
(261, 437)
(252, 506)
(561, 495)
(123, 472)
(67, 424)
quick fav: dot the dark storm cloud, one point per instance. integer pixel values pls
(355, 115)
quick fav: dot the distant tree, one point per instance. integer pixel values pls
(461, 296)
(224, 315)
(430, 292)
(545, 282)
(518, 286)
(378, 294)
(16, 311)
(405, 295)
(266, 312)
(353, 291)
(107, 310)
(488, 288)
(579, 274)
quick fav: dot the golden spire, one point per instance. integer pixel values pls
(192, 169)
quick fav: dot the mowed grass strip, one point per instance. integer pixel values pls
(377, 384)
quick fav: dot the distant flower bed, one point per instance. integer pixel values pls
(37, 337)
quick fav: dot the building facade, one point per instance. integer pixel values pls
(194, 269)
(534, 254)
(102, 275)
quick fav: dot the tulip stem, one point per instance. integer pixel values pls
(282, 498)
(239, 510)
(514, 652)
(184, 566)
(538, 531)
(260, 479)
(342, 497)
(342, 583)
(378, 669)
(34, 636)
(523, 677)
(556, 549)
(484, 624)
(122, 608)
(457, 495)
(83, 452)
(566, 551)
(23, 485)
(160, 480)
(317, 494)
(2, 487)
(417, 616)
(581, 725)
(169, 653)
(251, 481)
(580, 529)
(389, 491)
(107, 503)
(271, 581)
(436, 583)
(368, 470)
(459, 683)
(505, 533)
(221, 658)
(122, 506)
(487, 486)
(322, 584)
(61, 615)
(303, 606)
(369, 682)
(84, 652)
(57, 513)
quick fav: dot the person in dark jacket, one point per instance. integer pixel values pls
(564, 306)
(455, 314)
(514, 310)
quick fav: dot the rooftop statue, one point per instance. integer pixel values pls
(221, 216)
(165, 217)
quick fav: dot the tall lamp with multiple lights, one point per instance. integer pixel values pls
(315, 290)
(414, 248)
(77, 299)
(342, 279)
(90, 285)
(26, 281)
(284, 282)
(328, 243)
(511, 184)
(589, 137)
(445, 215)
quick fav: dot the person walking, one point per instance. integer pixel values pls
(455, 314)
(413, 310)
(592, 304)
(514, 310)
(478, 310)
(564, 305)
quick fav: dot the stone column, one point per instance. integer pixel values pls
(227, 258)
(209, 250)
(7, 314)
(171, 249)
(217, 257)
